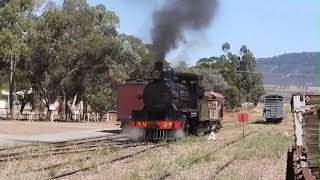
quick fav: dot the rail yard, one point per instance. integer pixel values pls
(262, 154)
(161, 90)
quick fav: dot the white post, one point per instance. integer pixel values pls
(51, 117)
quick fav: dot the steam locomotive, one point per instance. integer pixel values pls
(173, 105)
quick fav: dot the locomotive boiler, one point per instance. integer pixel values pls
(174, 105)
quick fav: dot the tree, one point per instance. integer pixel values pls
(77, 53)
(16, 26)
(239, 73)
(226, 47)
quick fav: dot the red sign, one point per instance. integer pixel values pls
(243, 117)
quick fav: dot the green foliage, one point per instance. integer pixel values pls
(75, 50)
(15, 27)
(231, 74)
(232, 96)
(67, 51)
(239, 73)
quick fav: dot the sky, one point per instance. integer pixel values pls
(268, 28)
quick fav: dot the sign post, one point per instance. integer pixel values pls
(242, 118)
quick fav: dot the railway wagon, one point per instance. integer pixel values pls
(304, 156)
(174, 104)
(128, 98)
(273, 110)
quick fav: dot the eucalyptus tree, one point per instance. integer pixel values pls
(16, 26)
(239, 73)
(78, 52)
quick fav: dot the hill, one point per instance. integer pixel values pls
(298, 69)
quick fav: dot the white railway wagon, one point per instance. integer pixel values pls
(273, 108)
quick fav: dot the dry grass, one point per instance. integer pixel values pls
(188, 158)
(263, 146)
(31, 168)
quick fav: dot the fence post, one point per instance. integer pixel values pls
(51, 117)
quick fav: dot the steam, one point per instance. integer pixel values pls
(180, 134)
(177, 16)
(135, 134)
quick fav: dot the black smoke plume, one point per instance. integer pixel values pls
(174, 18)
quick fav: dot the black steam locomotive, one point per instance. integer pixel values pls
(174, 105)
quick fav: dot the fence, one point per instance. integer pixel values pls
(38, 116)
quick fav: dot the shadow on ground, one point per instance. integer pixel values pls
(113, 131)
(265, 122)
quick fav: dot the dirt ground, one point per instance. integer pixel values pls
(262, 155)
(25, 132)
(35, 128)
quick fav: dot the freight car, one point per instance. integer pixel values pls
(174, 104)
(303, 157)
(273, 109)
(128, 98)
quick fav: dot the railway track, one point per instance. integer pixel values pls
(225, 145)
(222, 167)
(74, 171)
(60, 148)
(113, 144)
(86, 158)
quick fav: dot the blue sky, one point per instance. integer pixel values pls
(268, 28)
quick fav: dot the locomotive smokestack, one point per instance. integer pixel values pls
(174, 18)
(158, 66)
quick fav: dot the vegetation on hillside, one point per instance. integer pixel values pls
(297, 69)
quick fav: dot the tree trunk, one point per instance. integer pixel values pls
(85, 106)
(12, 88)
(24, 102)
(48, 115)
(64, 105)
